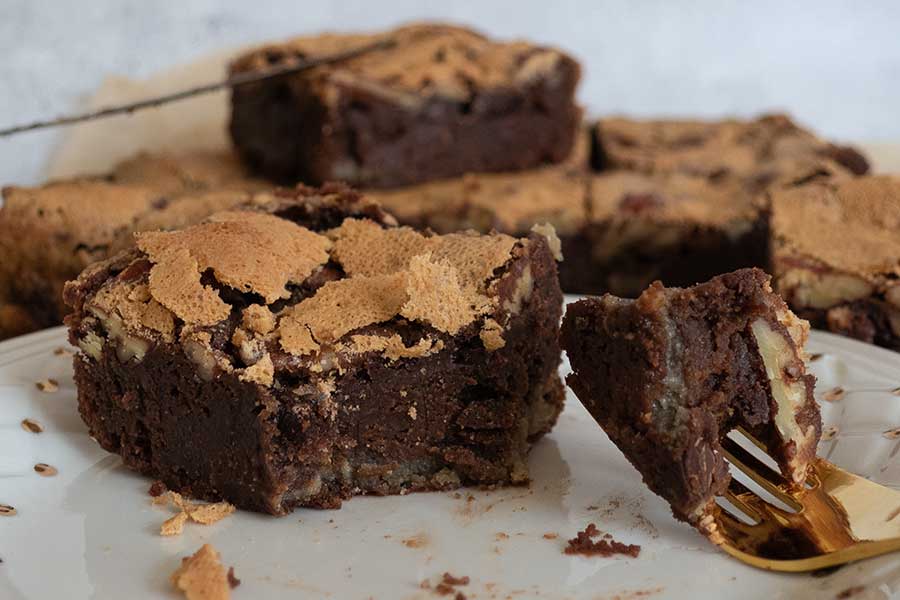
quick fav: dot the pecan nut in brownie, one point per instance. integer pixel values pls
(758, 152)
(441, 102)
(48, 234)
(302, 350)
(836, 255)
(669, 374)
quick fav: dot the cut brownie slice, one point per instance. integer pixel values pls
(757, 152)
(48, 234)
(837, 255)
(669, 374)
(441, 102)
(304, 350)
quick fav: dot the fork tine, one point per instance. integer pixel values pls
(758, 472)
(732, 495)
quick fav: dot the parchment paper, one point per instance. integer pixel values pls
(199, 123)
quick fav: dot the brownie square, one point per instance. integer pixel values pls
(669, 374)
(303, 350)
(837, 255)
(48, 234)
(619, 231)
(759, 152)
(677, 228)
(442, 102)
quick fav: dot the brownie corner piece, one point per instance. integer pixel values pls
(669, 374)
(836, 255)
(303, 349)
(442, 101)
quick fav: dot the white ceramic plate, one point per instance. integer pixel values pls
(91, 531)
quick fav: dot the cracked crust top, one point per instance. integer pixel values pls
(429, 59)
(758, 152)
(312, 281)
(847, 225)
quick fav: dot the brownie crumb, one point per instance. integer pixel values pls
(48, 386)
(583, 544)
(851, 591)
(233, 581)
(45, 470)
(157, 488)
(62, 352)
(32, 426)
(205, 514)
(202, 576)
(551, 536)
(451, 580)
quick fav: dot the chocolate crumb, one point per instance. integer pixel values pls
(834, 394)
(851, 591)
(233, 581)
(32, 426)
(45, 470)
(48, 386)
(443, 589)
(551, 536)
(607, 546)
(459, 596)
(815, 356)
(157, 488)
(7, 511)
(451, 580)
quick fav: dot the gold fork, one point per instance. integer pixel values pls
(836, 518)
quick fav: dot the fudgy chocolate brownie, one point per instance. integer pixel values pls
(836, 255)
(303, 350)
(442, 102)
(680, 229)
(669, 374)
(758, 152)
(48, 234)
(619, 231)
